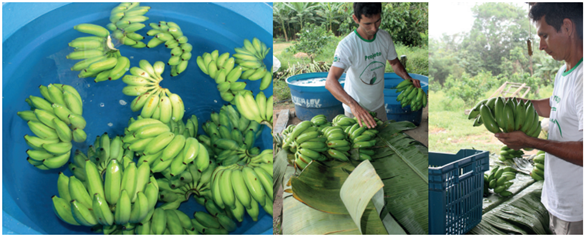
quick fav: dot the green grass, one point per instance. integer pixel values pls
(281, 90)
(450, 130)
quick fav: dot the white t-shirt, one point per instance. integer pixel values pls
(364, 62)
(562, 189)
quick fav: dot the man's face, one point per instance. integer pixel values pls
(369, 25)
(554, 43)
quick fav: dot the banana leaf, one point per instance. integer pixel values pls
(318, 188)
(279, 168)
(523, 213)
(401, 162)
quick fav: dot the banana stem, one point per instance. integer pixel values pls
(110, 44)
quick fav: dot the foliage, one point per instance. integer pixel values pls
(469, 88)
(417, 59)
(407, 22)
(312, 39)
(331, 13)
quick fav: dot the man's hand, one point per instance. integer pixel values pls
(362, 116)
(416, 83)
(515, 140)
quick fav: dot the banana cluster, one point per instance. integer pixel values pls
(221, 69)
(125, 20)
(539, 166)
(499, 180)
(56, 119)
(508, 153)
(238, 134)
(175, 189)
(155, 102)
(171, 34)
(123, 198)
(236, 188)
(161, 147)
(500, 114)
(315, 140)
(410, 95)
(258, 110)
(175, 222)
(100, 59)
(250, 58)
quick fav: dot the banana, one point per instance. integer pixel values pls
(63, 187)
(140, 208)
(206, 220)
(253, 184)
(28, 115)
(151, 130)
(78, 191)
(62, 208)
(102, 211)
(43, 131)
(174, 147)
(123, 209)
(142, 178)
(266, 179)
(92, 29)
(178, 107)
(113, 179)
(226, 191)
(82, 214)
(159, 221)
(239, 187)
(129, 181)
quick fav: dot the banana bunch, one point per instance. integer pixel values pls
(499, 180)
(508, 153)
(120, 200)
(539, 166)
(258, 110)
(221, 69)
(343, 121)
(161, 148)
(363, 139)
(171, 34)
(237, 188)
(156, 102)
(410, 95)
(321, 122)
(125, 20)
(250, 58)
(100, 153)
(56, 119)
(190, 181)
(173, 222)
(506, 115)
(99, 57)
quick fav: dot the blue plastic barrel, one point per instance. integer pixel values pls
(35, 42)
(393, 107)
(313, 100)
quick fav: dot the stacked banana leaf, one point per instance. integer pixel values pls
(506, 115)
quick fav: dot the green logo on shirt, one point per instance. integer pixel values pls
(372, 56)
(556, 98)
(336, 58)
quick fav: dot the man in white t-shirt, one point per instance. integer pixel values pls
(559, 26)
(363, 53)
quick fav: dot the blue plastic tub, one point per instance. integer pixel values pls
(393, 107)
(35, 38)
(456, 185)
(313, 100)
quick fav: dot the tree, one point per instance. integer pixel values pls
(281, 15)
(312, 39)
(302, 12)
(330, 12)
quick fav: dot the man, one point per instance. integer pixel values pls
(559, 26)
(364, 53)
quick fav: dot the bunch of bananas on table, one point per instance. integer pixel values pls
(100, 59)
(155, 102)
(539, 166)
(170, 33)
(308, 142)
(508, 153)
(221, 68)
(125, 20)
(121, 200)
(410, 95)
(499, 180)
(56, 119)
(500, 114)
(250, 58)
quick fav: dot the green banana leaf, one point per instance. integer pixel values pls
(319, 187)
(523, 213)
(279, 168)
(401, 162)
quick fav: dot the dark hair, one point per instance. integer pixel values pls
(555, 13)
(367, 9)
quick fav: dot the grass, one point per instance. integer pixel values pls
(450, 130)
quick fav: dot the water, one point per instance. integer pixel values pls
(313, 82)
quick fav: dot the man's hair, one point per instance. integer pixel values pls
(555, 13)
(367, 9)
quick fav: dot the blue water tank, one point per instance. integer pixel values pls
(35, 43)
(313, 100)
(393, 107)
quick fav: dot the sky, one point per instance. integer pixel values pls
(452, 17)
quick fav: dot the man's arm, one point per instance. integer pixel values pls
(542, 107)
(333, 85)
(569, 151)
(400, 70)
